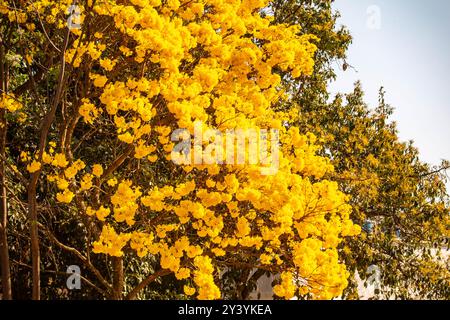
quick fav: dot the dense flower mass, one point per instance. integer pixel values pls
(165, 65)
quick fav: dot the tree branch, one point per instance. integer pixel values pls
(132, 295)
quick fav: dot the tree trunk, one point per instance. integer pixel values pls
(32, 204)
(4, 250)
(118, 278)
(34, 236)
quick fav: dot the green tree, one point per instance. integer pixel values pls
(405, 198)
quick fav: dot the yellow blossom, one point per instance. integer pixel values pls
(189, 291)
(97, 170)
(34, 166)
(65, 197)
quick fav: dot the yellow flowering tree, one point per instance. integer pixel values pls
(126, 75)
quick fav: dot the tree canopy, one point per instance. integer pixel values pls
(97, 96)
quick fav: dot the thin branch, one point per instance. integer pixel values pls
(101, 291)
(81, 257)
(133, 294)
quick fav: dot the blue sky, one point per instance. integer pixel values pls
(404, 46)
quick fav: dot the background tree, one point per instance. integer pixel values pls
(402, 201)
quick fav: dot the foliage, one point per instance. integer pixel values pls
(88, 115)
(98, 147)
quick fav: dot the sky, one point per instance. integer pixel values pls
(404, 46)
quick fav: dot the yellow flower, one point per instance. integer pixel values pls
(34, 166)
(287, 288)
(63, 184)
(124, 201)
(89, 211)
(71, 172)
(24, 156)
(210, 183)
(99, 80)
(218, 252)
(102, 213)
(65, 197)
(243, 227)
(107, 64)
(97, 170)
(59, 160)
(141, 150)
(46, 158)
(88, 111)
(194, 251)
(86, 182)
(110, 242)
(126, 51)
(112, 182)
(9, 103)
(183, 273)
(189, 291)
(203, 278)
(126, 137)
